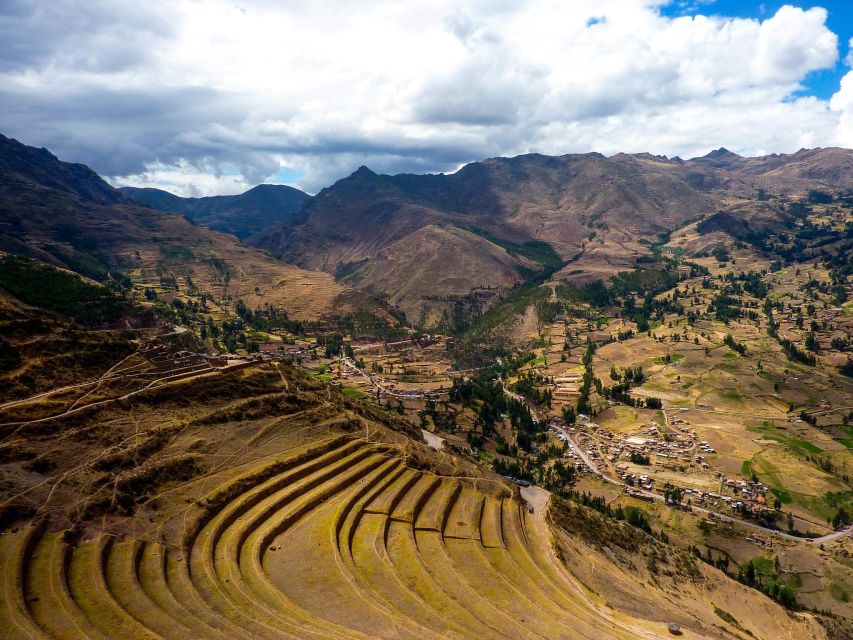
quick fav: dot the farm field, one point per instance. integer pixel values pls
(301, 493)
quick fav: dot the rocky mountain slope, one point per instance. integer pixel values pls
(371, 230)
(22, 166)
(241, 215)
(65, 215)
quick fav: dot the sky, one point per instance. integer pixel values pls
(205, 97)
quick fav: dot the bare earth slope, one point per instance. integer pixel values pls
(66, 215)
(355, 226)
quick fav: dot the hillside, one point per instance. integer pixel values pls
(208, 504)
(64, 214)
(23, 167)
(241, 215)
(353, 226)
(592, 216)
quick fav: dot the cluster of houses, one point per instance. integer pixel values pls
(751, 496)
(562, 434)
(639, 480)
(737, 495)
(570, 455)
(746, 495)
(669, 453)
(704, 447)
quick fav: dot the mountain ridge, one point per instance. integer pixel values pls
(24, 165)
(64, 214)
(570, 202)
(241, 214)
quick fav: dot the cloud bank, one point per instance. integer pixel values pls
(215, 96)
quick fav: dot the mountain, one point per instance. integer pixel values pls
(64, 214)
(790, 174)
(24, 167)
(427, 241)
(508, 218)
(718, 158)
(241, 215)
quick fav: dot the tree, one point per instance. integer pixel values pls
(654, 403)
(787, 597)
(790, 522)
(841, 518)
(811, 342)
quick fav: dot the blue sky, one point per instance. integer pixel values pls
(822, 83)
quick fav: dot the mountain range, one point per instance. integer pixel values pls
(427, 242)
(423, 243)
(64, 214)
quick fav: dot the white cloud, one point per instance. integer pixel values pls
(186, 179)
(214, 96)
(842, 103)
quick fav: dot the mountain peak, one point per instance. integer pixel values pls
(363, 172)
(719, 158)
(722, 152)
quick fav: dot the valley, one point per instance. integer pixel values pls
(505, 411)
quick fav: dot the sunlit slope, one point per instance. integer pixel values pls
(272, 506)
(339, 540)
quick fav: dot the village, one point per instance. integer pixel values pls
(664, 411)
